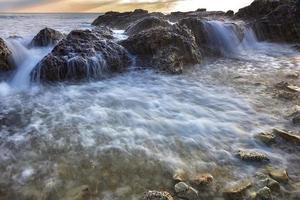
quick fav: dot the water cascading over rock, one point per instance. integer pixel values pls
(219, 38)
(84, 54)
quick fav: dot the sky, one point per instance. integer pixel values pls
(41, 6)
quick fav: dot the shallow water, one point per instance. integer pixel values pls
(128, 134)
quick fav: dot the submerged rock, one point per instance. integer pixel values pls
(46, 37)
(169, 49)
(185, 191)
(119, 20)
(279, 175)
(288, 136)
(180, 175)
(202, 180)
(83, 54)
(78, 193)
(267, 137)
(264, 194)
(157, 195)
(237, 191)
(5, 56)
(254, 156)
(145, 24)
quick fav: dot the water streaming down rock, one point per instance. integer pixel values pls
(25, 60)
(229, 38)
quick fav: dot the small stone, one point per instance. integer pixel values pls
(267, 137)
(180, 175)
(157, 195)
(292, 75)
(237, 191)
(202, 179)
(185, 191)
(273, 185)
(79, 193)
(288, 136)
(254, 156)
(279, 175)
(293, 88)
(264, 194)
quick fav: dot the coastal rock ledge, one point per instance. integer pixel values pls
(5, 56)
(83, 54)
(168, 49)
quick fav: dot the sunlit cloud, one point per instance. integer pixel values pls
(117, 5)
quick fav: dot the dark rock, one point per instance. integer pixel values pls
(46, 37)
(122, 20)
(254, 156)
(104, 31)
(157, 195)
(201, 10)
(237, 191)
(170, 49)
(5, 57)
(83, 54)
(258, 9)
(230, 13)
(273, 20)
(145, 24)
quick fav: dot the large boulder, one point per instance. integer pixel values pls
(83, 54)
(280, 25)
(46, 37)
(168, 49)
(145, 24)
(5, 57)
(119, 20)
(273, 20)
(258, 9)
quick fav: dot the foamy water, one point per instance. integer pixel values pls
(128, 134)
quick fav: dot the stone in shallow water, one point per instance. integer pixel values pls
(237, 191)
(264, 194)
(157, 195)
(279, 175)
(78, 193)
(267, 137)
(185, 191)
(180, 175)
(202, 180)
(288, 136)
(254, 156)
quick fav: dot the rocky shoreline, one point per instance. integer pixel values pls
(173, 44)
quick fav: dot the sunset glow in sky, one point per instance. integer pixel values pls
(117, 5)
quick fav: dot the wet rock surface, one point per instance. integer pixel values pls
(83, 54)
(157, 195)
(252, 156)
(145, 24)
(273, 20)
(5, 56)
(46, 37)
(185, 191)
(168, 49)
(237, 191)
(119, 20)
